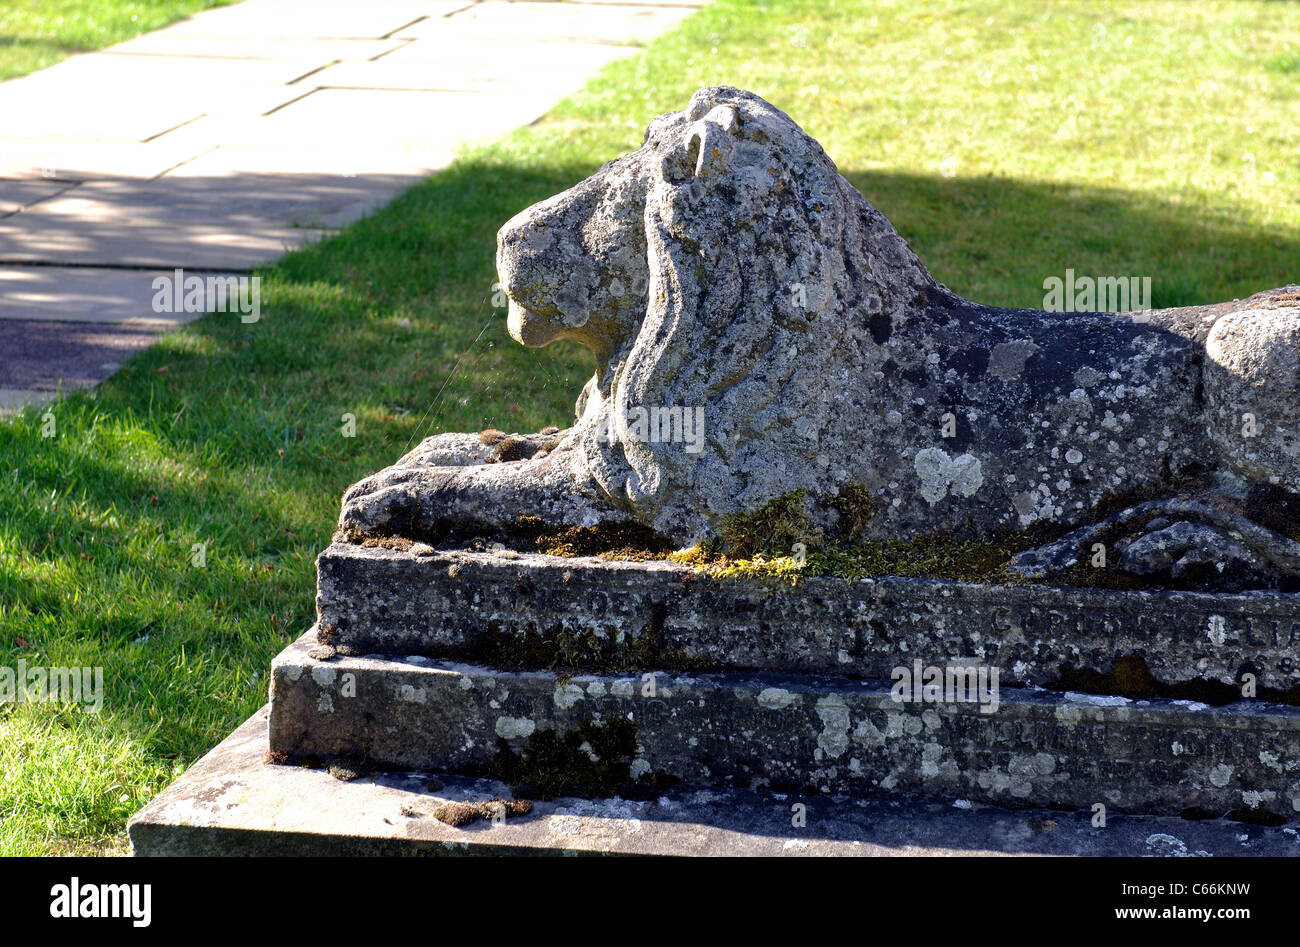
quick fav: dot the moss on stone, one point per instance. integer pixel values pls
(925, 557)
(772, 529)
(623, 540)
(463, 813)
(356, 537)
(759, 544)
(929, 557)
(592, 761)
(510, 449)
(708, 561)
(562, 649)
(856, 508)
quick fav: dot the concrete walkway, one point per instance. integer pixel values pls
(216, 144)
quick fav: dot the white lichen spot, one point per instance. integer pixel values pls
(566, 695)
(1163, 844)
(1069, 715)
(834, 714)
(1217, 630)
(1097, 700)
(1255, 798)
(564, 824)
(934, 468)
(515, 728)
(868, 734)
(323, 676)
(1221, 774)
(776, 698)
(1031, 766)
(931, 754)
(967, 475)
(412, 695)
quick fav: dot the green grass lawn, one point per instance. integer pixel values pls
(1007, 142)
(38, 33)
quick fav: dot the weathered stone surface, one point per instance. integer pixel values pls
(233, 803)
(1251, 378)
(1182, 546)
(786, 733)
(1211, 535)
(727, 268)
(496, 608)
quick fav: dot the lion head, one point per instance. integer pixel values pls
(725, 269)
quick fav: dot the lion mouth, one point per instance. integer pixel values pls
(528, 327)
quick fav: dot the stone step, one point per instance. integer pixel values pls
(784, 733)
(232, 802)
(513, 609)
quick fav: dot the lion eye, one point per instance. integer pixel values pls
(678, 166)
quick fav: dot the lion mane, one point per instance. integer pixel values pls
(763, 268)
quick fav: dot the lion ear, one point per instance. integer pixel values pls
(709, 146)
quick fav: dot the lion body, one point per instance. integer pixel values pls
(727, 268)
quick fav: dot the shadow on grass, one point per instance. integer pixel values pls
(995, 241)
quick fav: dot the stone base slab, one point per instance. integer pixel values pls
(232, 802)
(786, 733)
(498, 608)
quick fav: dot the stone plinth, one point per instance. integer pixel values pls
(512, 608)
(786, 733)
(232, 802)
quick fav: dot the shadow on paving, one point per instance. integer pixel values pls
(50, 355)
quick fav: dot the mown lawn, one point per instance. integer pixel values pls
(38, 33)
(1006, 141)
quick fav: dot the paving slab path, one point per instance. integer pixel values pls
(222, 141)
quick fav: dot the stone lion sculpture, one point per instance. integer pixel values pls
(726, 269)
